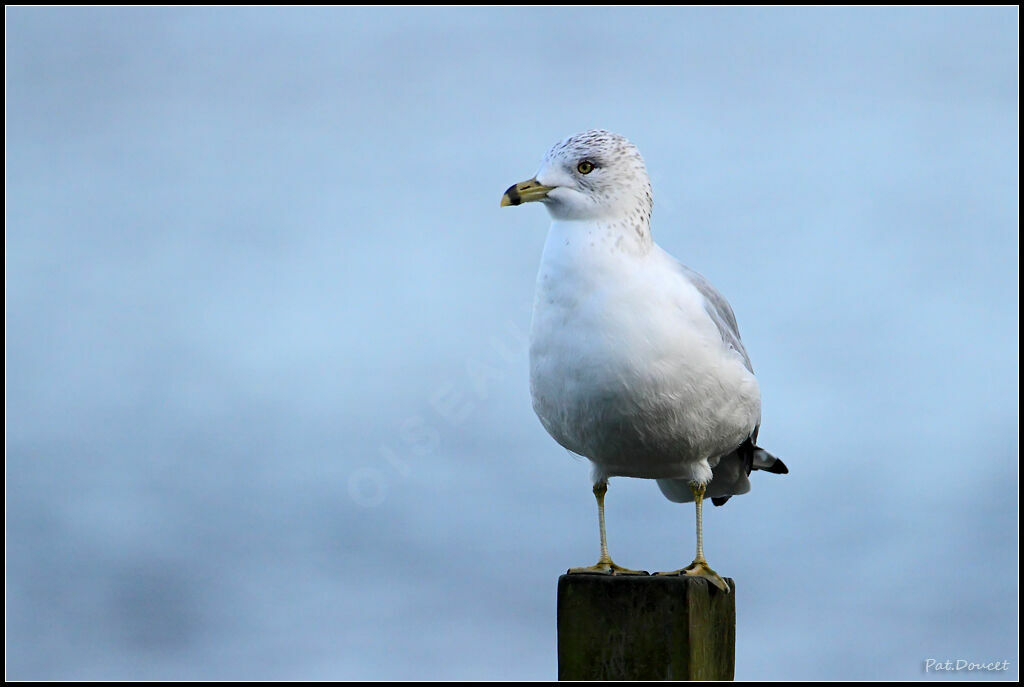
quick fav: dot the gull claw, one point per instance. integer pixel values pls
(701, 568)
(608, 567)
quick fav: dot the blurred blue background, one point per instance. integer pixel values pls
(267, 403)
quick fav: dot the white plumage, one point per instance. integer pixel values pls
(626, 366)
(635, 360)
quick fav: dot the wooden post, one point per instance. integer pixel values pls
(625, 627)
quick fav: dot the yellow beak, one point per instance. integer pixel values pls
(525, 192)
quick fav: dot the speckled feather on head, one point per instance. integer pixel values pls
(619, 177)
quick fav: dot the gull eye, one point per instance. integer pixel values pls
(585, 167)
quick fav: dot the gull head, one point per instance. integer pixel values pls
(595, 175)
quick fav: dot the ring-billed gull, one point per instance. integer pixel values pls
(635, 359)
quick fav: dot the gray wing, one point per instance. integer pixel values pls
(732, 470)
(720, 312)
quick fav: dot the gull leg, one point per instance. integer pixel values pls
(606, 565)
(700, 567)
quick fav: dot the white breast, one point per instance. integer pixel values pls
(626, 366)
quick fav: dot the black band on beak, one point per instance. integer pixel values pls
(513, 195)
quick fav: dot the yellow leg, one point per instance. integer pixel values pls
(700, 567)
(606, 565)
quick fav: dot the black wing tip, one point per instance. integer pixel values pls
(720, 500)
(777, 468)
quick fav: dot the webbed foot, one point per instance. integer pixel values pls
(700, 568)
(607, 567)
